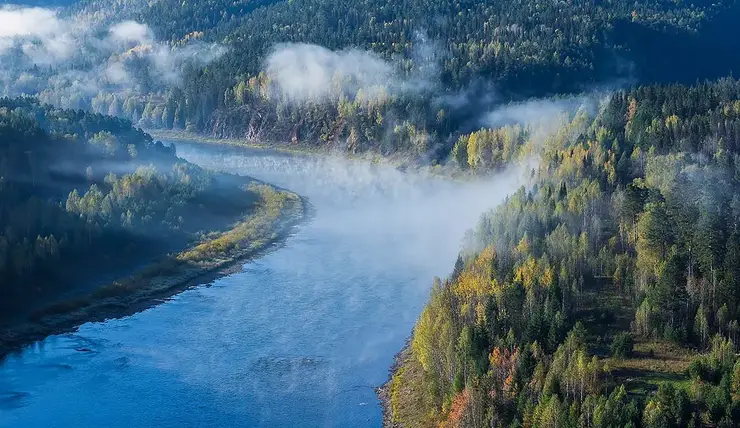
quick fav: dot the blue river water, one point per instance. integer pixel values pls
(299, 337)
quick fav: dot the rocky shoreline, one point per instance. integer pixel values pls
(384, 391)
(268, 225)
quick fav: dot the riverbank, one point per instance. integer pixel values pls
(275, 215)
(175, 135)
(386, 391)
(402, 162)
(400, 400)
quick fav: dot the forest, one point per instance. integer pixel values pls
(605, 294)
(463, 57)
(85, 198)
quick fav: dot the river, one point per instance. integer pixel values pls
(297, 338)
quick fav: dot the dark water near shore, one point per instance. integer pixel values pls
(299, 337)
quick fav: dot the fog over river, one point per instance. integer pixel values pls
(297, 338)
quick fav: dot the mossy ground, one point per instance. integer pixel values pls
(606, 311)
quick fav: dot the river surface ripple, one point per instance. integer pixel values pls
(297, 338)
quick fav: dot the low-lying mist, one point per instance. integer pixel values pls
(411, 217)
(324, 315)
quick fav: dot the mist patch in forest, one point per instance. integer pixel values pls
(74, 57)
(303, 72)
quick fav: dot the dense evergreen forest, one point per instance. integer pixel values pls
(464, 56)
(590, 295)
(85, 197)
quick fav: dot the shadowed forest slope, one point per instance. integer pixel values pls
(87, 199)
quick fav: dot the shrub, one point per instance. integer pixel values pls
(622, 345)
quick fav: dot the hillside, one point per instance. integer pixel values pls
(88, 200)
(525, 47)
(601, 284)
(423, 81)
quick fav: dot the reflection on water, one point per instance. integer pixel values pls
(299, 337)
